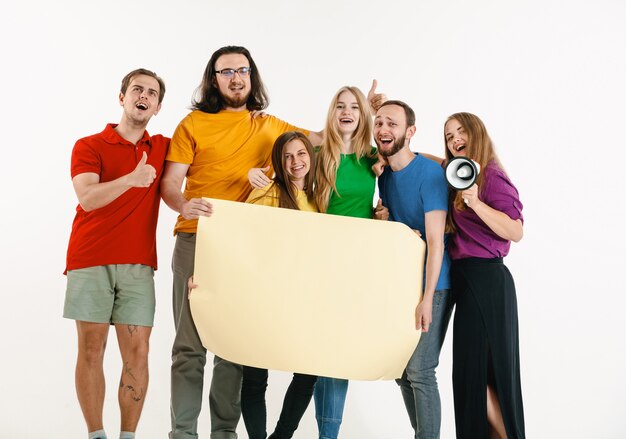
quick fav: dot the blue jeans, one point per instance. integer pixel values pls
(330, 397)
(419, 383)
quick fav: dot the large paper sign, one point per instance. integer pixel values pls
(306, 292)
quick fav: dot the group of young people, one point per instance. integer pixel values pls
(224, 149)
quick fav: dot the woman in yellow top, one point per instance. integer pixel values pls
(344, 185)
(292, 188)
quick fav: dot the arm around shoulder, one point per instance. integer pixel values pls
(434, 158)
(316, 137)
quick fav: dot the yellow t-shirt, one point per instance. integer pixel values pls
(220, 149)
(268, 196)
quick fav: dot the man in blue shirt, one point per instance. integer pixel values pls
(415, 191)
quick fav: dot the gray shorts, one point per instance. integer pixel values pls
(116, 294)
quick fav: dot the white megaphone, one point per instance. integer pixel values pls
(461, 173)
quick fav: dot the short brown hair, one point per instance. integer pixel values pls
(408, 111)
(129, 77)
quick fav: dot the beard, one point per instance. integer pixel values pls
(236, 102)
(395, 147)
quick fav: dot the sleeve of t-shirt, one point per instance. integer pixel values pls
(503, 196)
(182, 146)
(435, 190)
(373, 157)
(282, 126)
(264, 197)
(382, 181)
(85, 159)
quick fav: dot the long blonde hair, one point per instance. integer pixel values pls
(329, 154)
(479, 148)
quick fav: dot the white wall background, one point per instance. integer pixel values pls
(547, 77)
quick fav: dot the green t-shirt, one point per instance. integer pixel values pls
(355, 186)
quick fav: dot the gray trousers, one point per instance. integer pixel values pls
(189, 359)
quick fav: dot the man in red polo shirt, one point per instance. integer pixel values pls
(111, 255)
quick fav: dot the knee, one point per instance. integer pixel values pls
(91, 351)
(141, 350)
(422, 377)
(254, 380)
(137, 353)
(227, 371)
(250, 389)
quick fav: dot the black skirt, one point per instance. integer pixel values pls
(485, 347)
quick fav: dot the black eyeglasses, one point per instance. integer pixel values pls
(229, 73)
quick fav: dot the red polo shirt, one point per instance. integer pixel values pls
(124, 231)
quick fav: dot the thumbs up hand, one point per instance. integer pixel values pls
(380, 211)
(143, 175)
(375, 99)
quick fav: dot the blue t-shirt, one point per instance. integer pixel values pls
(411, 192)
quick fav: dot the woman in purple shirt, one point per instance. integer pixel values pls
(484, 219)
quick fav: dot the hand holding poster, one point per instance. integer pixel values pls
(306, 292)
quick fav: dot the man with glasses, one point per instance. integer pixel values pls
(111, 256)
(214, 146)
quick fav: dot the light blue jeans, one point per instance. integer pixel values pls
(330, 397)
(419, 383)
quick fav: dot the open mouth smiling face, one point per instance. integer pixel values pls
(456, 138)
(237, 87)
(141, 98)
(347, 112)
(385, 140)
(297, 162)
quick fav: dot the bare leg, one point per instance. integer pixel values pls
(92, 339)
(494, 415)
(133, 342)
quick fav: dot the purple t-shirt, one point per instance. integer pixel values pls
(473, 238)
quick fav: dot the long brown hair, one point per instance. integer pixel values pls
(285, 190)
(207, 96)
(329, 154)
(479, 148)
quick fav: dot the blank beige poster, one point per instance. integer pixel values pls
(306, 292)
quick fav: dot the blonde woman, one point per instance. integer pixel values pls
(344, 185)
